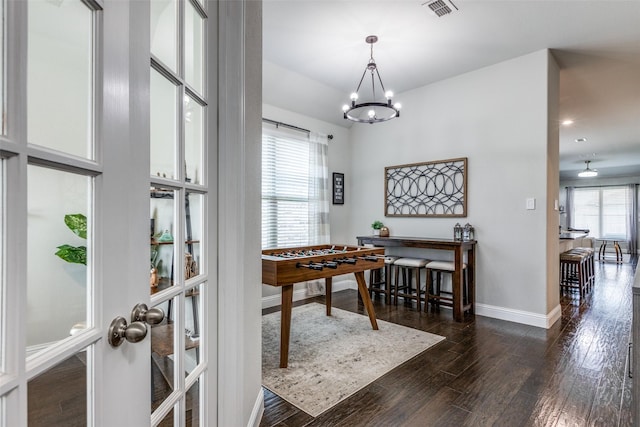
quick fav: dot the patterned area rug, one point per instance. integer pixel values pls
(330, 358)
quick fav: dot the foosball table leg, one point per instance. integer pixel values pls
(366, 298)
(285, 324)
(327, 295)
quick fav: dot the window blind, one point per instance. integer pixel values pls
(603, 210)
(290, 199)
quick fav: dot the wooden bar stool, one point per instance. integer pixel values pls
(590, 269)
(380, 279)
(407, 266)
(573, 272)
(436, 296)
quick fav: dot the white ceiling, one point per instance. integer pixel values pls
(596, 43)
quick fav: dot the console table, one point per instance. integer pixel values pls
(458, 247)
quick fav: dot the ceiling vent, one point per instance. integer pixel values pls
(441, 7)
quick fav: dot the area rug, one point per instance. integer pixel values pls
(331, 358)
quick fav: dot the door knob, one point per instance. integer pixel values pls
(152, 316)
(120, 331)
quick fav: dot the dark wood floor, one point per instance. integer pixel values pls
(494, 373)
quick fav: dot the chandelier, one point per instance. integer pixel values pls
(373, 110)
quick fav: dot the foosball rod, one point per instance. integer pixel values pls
(371, 258)
(310, 266)
(345, 260)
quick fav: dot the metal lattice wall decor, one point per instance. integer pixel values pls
(431, 189)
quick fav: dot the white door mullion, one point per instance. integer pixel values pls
(15, 223)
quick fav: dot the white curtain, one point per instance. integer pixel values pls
(632, 218)
(318, 199)
(319, 189)
(569, 207)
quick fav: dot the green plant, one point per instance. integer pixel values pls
(377, 225)
(75, 254)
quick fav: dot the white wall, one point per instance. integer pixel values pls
(292, 91)
(497, 117)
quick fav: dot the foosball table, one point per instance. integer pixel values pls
(284, 267)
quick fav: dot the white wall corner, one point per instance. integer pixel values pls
(519, 316)
(258, 410)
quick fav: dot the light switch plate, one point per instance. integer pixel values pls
(531, 203)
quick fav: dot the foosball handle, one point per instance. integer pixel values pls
(310, 266)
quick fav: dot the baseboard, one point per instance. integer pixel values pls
(301, 294)
(519, 316)
(258, 410)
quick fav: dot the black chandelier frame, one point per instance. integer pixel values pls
(391, 109)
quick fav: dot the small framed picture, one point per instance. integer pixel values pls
(338, 188)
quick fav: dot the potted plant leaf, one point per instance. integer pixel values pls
(75, 254)
(377, 225)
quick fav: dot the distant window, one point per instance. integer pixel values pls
(603, 210)
(294, 196)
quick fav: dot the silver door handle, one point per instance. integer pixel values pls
(152, 316)
(120, 331)
(141, 315)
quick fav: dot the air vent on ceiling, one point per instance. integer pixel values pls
(441, 7)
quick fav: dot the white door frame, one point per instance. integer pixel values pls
(240, 400)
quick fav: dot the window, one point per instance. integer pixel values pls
(603, 210)
(295, 204)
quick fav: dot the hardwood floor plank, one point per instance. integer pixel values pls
(492, 372)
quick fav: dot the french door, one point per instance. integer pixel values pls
(105, 205)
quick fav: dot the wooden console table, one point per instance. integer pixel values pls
(458, 247)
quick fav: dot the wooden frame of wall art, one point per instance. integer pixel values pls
(429, 189)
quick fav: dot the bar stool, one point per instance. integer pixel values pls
(436, 296)
(406, 291)
(589, 265)
(577, 270)
(380, 279)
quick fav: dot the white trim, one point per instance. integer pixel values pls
(519, 316)
(258, 410)
(301, 294)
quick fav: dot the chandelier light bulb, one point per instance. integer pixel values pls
(345, 107)
(388, 94)
(397, 106)
(354, 96)
(371, 114)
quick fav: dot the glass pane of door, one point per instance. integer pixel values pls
(192, 418)
(193, 139)
(192, 310)
(162, 212)
(163, 360)
(193, 32)
(3, 126)
(50, 404)
(164, 126)
(193, 224)
(164, 32)
(3, 284)
(60, 76)
(58, 242)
